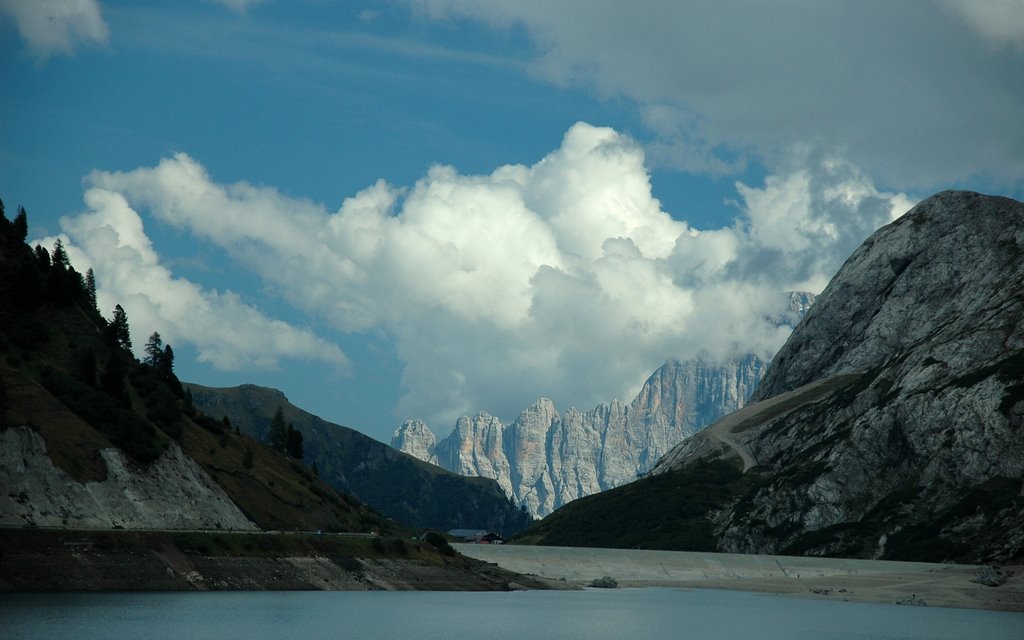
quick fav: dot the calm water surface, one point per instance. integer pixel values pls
(634, 614)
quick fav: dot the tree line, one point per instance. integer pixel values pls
(103, 373)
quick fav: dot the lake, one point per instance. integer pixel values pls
(595, 614)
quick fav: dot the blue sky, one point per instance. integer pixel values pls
(423, 209)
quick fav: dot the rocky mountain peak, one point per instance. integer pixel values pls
(928, 277)
(544, 459)
(890, 423)
(415, 438)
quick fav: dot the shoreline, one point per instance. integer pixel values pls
(55, 560)
(855, 580)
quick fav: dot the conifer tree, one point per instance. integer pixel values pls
(21, 225)
(167, 361)
(60, 256)
(154, 350)
(61, 282)
(118, 331)
(278, 431)
(293, 443)
(42, 259)
(90, 289)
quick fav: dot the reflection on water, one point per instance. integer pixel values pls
(637, 614)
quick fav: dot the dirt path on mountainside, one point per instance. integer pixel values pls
(759, 412)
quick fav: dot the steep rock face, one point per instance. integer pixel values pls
(922, 456)
(416, 439)
(478, 446)
(941, 278)
(171, 493)
(545, 459)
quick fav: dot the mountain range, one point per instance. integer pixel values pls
(544, 459)
(890, 425)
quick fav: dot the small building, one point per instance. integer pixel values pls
(490, 538)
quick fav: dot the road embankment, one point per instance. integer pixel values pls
(124, 560)
(946, 585)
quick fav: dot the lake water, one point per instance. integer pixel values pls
(633, 614)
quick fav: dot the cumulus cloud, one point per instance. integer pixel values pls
(1001, 21)
(110, 239)
(564, 278)
(49, 27)
(905, 90)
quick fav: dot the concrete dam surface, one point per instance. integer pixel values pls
(947, 585)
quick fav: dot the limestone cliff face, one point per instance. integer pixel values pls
(924, 452)
(171, 493)
(415, 438)
(476, 449)
(544, 458)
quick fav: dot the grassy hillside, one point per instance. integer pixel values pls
(668, 511)
(396, 484)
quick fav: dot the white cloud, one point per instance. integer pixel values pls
(57, 26)
(110, 239)
(905, 90)
(563, 278)
(1001, 21)
(237, 5)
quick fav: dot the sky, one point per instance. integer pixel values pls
(405, 209)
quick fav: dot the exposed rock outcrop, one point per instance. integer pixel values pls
(991, 575)
(415, 438)
(544, 458)
(922, 455)
(604, 582)
(171, 493)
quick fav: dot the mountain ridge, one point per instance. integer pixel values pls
(398, 485)
(915, 448)
(545, 458)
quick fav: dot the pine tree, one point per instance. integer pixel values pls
(278, 432)
(154, 350)
(293, 443)
(61, 282)
(90, 289)
(21, 225)
(118, 331)
(60, 256)
(167, 361)
(43, 259)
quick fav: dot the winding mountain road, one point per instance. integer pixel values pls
(724, 431)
